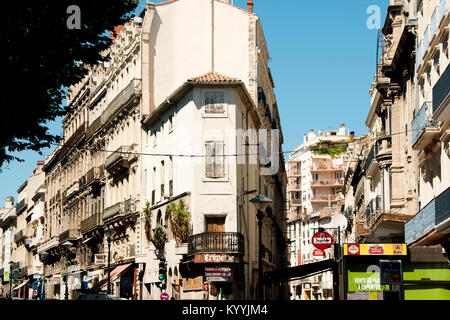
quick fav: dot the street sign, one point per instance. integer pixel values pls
(391, 272)
(34, 292)
(217, 272)
(322, 240)
(218, 279)
(164, 296)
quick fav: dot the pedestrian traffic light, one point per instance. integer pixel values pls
(162, 271)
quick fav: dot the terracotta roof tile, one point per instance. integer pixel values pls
(213, 77)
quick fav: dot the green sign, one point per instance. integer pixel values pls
(6, 276)
(364, 278)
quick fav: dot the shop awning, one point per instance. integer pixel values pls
(114, 274)
(300, 272)
(21, 285)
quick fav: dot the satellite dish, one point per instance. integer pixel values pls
(339, 220)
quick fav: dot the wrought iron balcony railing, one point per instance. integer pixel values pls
(212, 242)
(441, 93)
(121, 101)
(21, 206)
(118, 160)
(423, 126)
(69, 234)
(94, 221)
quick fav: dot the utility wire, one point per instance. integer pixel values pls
(370, 140)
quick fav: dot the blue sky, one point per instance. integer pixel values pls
(323, 59)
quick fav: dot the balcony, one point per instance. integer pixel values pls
(441, 97)
(93, 128)
(119, 209)
(48, 244)
(91, 223)
(294, 187)
(73, 189)
(122, 102)
(326, 168)
(216, 242)
(77, 135)
(69, 234)
(426, 220)
(94, 175)
(324, 198)
(22, 205)
(327, 183)
(297, 202)
(383, 148)
(294, 172)
(20, 236)
(117, 162)
(424, 129)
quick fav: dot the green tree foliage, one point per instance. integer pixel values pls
(331, 149)
(180, 219)
(38, 60)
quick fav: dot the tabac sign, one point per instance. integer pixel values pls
(371, 249)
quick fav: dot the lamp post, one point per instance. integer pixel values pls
(11, 277)
(42, 256)
(261, 202)
(109, 235)
(66, 246)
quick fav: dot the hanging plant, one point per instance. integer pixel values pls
(148, 221)
(156, 236)
(180, 219)
(159, 238)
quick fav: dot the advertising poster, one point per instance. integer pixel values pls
(363, 281)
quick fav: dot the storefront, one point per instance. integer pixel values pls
(422, 272)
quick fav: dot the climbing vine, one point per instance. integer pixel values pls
(156, 236)
(180, 220)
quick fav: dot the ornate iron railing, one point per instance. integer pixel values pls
(211, 242)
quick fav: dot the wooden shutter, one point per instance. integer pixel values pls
(209, 159)
(219, 168)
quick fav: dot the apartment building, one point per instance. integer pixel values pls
(7, 221)
(315, 177)
(198, 114)
(92, 180)
(430, 127)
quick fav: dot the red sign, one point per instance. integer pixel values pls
(376, 249)
(353, 249)
(318, 253)
(164, 296)
(322, 240)
(299, 256)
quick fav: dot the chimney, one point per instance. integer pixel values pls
(311, 135)
(40, 163)
(352, 135)
(341, 131)
(9, 202)
(305, 138)
(250, 6)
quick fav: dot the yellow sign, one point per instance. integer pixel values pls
(192, 284)
(375, 249)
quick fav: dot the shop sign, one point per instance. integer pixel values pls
(215, 258)
(318, 253)
(193, 284)
(391, 271)
(322, 240)
(217, 272)
(364, 278)
(383, 249)
(100, 259)
(375, 249)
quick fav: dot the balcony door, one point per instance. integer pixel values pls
(215, 226)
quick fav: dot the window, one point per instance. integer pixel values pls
(214, 103)
(338, 175)
(215, 167)
(170, 123)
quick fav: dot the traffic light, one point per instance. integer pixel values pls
(163, 274)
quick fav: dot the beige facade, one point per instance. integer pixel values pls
(315, 179)
(430, 127)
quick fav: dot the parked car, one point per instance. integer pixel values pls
(97, 296)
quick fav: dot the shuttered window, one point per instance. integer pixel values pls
(214, 160)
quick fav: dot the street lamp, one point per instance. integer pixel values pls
(109, 235)
(66, 246)
(261, 202)
(11, 277)
(42, 256)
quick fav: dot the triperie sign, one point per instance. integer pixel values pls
(322, 240)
